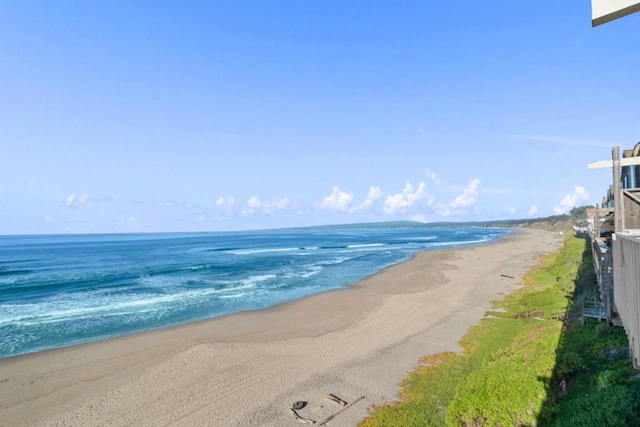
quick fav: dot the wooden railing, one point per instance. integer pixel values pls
(626, 276)
(603, 265)
(631, 204)
(531, 314)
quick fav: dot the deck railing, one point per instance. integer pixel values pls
(626, 276)
(603, 265)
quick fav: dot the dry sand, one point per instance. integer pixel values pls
(248, 368)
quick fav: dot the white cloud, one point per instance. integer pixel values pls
(464, 203)
(405, 201)
(226, 204)
(73, 201)
(254, 205)
(432, 176)
(533, 209)
(469, 196)
(571, 200)
(374, 194)
(276, 205)
(338, 200)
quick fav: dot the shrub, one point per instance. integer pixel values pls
(603, 329)
(615, 406)
(569, 363)
(608, 378)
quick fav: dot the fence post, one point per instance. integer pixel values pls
(617, 192)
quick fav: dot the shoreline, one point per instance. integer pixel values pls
(189, 323)
(249, 367)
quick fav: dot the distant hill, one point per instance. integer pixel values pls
(554, 222)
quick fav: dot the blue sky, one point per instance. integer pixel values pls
(206, 116)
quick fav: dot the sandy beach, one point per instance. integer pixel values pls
(248, 368)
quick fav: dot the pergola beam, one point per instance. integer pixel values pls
(603, 11)
(626, 161)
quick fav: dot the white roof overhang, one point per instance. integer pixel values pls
(603, 11)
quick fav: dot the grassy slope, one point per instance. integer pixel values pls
(511, 369)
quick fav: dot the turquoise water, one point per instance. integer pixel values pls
(61, 290)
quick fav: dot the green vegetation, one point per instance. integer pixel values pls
(579, 212)
(602, 390)
(519, 370)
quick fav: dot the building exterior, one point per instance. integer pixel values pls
(615, 238)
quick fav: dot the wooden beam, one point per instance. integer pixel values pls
(627, 161)
(618, 218)
(632, 196)
(600, 164)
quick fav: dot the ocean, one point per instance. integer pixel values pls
(60, 290)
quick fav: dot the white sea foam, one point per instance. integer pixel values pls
(260, 251)
(99, 303)
(254, 280)
(335, 261)
(197, 267)
(461, 243)
(373, 247)
(240, 295)
(312, 271)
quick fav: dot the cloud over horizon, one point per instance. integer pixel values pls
(226, 205)
(255, 205)
(463, 203)
(374, 194)
(338, 200)
(532, 210)
(571, 200)
(405, 201)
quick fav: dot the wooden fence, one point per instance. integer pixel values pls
(626, 276)
(603, 265)
(531, 314)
